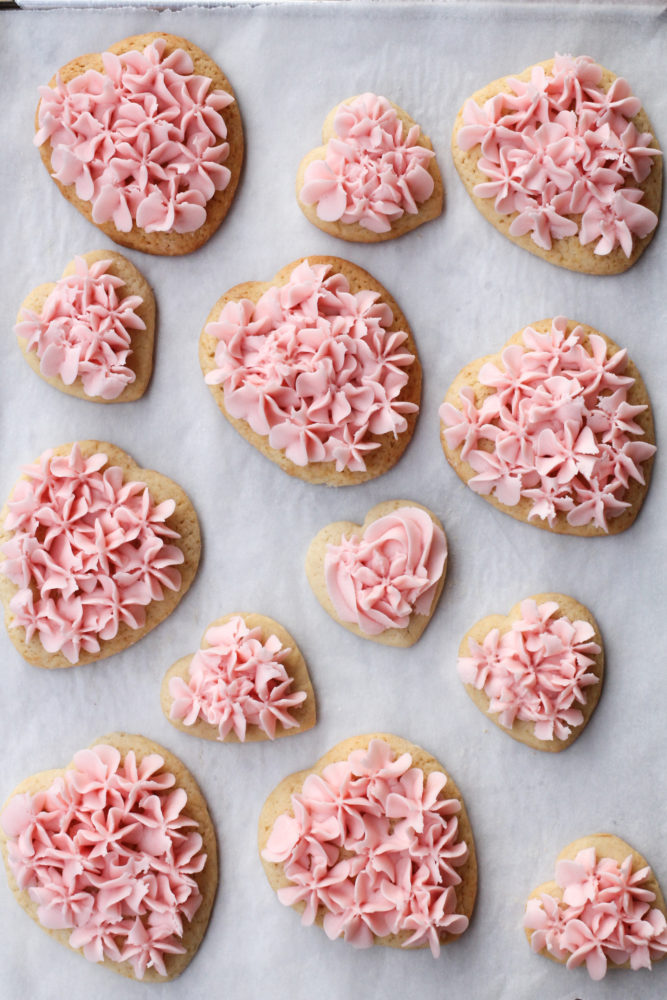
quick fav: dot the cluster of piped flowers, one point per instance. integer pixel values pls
(562, 432)
(239, 680)
(604, 915)
(143, 141)
(373, 848)
(563, 154)
(84, 330)
(313, 367)
(535, 672)
(372, 173)
(108, 852)
(88, 551)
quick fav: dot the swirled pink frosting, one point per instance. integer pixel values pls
(373, 847)
(380, 580)
(238, 681)
(561, 429)
(88, 551)
(314, 368)
(108, 852)
(604, 915)
(558, 147)
(143, 141)
(84, 330)
(536, 672)
(372, 173)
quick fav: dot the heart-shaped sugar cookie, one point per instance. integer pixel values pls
(374, 177)
(91, 333)
(536, 672)
(555, 430)
(394, 848)
(562, 160)
(248, 682)
(604, 908)
(115, 856)
(381, 579)
(317, 368)
(155, 164)
(97, 550)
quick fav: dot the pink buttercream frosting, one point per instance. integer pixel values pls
(314, 368)
(372, 172)
(108, 852)
(143, 142)
(604, 915)
(238, 681)
(535, 672)
(380, 580)
(558, 146)
(373, 847)
(88, 551)
(561, 429)
(85, 331)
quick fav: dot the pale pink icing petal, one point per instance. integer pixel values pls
(560, 425)
(559, 146)
(604, 916)
(314, 368)
(78, 850)
(372, 173)
(141, 141)
(390, 880)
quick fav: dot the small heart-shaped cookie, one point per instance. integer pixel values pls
(156, 163)
(91, 333)
(115, 856)
(248, 682)
(536, 672)
(555, 430)
(317, 368)
(373, 844)
(374, 177)
(604, 906)
(98, 551)
(381, 579)
(563, 161)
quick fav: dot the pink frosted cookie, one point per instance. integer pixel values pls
(563, 161)
(145, 140)
(605, 908)
(248, 682)
(555, 430)
(317, 369)
(97, 552)
(374, 845)
(91, 333)
(536, 672)
(115, 857)
(381, 580)
(374, 177)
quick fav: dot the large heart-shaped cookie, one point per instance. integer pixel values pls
(381, 579)
(98, 551)
(374, 177)
(248, 682)
(604, 908)
(559, 160)
(536, 672)
(115, 856)
(317, 368)
(373, 844)
(91, 333)
(145, 140)
(555, 430)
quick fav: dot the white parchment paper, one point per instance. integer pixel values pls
(465, 290)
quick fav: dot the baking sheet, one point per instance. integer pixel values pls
(465, 290)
